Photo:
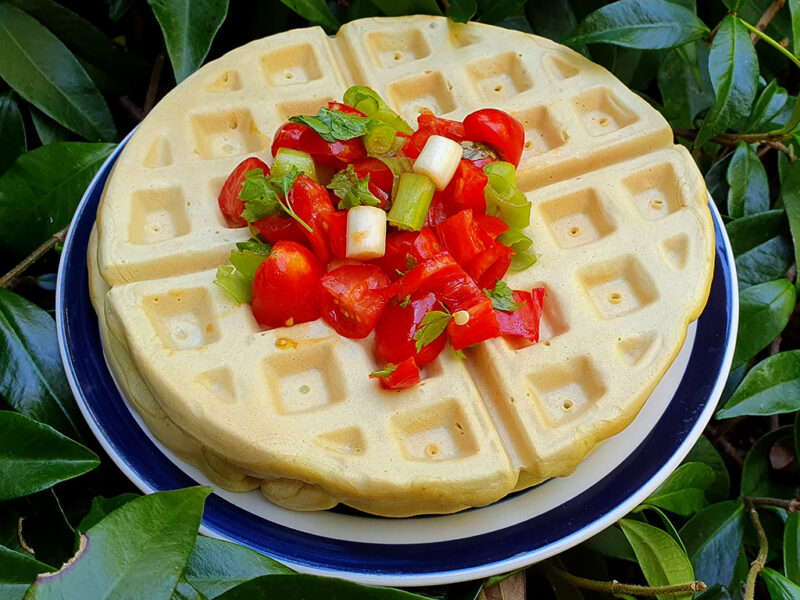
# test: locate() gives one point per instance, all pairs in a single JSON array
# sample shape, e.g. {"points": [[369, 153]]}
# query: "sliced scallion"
{"points": [[371, 104], [286, 158], [521, 244], [507, 202], [411, 204]]}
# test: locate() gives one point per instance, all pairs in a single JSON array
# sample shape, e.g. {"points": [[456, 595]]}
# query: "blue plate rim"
{"points": [[410, 564]]}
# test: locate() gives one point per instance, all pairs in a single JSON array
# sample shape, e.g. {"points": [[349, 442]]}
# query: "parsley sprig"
{"points": [[265, 196], [351, 190], [431, 327], [502, 297], [384, 372], [332, 125]]}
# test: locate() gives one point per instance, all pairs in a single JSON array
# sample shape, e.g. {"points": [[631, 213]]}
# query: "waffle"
{"points": [[619, 221]]}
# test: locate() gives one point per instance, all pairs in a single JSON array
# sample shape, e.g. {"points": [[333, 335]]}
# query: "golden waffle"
{"points": [[619, 220]]}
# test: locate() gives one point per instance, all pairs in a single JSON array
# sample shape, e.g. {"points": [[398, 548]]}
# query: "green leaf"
{"points": [[772, 387], [384, 372], [644, 24], [668, 526], [704, 452], [791, 548], [555, 23], [790, 196], [39, 193], [502, 297], [47, 129], [683, 492], [189, 27], [660, 558], [309, 587], [794, 11], [685, 90], [351, 190], [461, 11], [399, 8], [748, 193], [504, 13], [102, 507], [45, 73], [733, 67], [31, 375], [236, 285], [316, 11], [17, 572], [611, 543], [433, 325], [713, 538], [333, 125], [34, 456], [716, 180], [764, 311], [761, 250], [216, 566], [780, 588], [12, 131], [81, 37], [138, 551], [767, 107], [757, 476], [118, 8]]}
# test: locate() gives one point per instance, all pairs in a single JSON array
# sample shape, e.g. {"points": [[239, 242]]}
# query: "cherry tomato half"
{"points": [[280, 227], [301, 137], [285, 287], [229, 202], [312, 203], [394, 332], [498, 129], [352, 299]]}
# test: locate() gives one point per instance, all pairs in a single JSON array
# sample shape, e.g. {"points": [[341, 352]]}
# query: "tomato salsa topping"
{"points": [[376, 227]]}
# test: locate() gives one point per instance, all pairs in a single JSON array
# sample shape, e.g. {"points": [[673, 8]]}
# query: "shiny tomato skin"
{"points": [[428, 125], [398, 246], [301, 137], [381, 178], [229, 202], [312, 203], [523, 322], [498, 129], [492, 226], [482, 326], [352, 299], [337, 233], [279, 227], [394, 332], [285, 286]]}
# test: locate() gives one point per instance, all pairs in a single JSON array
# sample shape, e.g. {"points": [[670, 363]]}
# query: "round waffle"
{"points": [[619, 221]]}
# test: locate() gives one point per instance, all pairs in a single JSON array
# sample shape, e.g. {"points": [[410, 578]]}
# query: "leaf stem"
{"points": [[7, 280], [731, 139], [788, 505], [761, 559], [770, 41], [767, 17], [615, 587]]}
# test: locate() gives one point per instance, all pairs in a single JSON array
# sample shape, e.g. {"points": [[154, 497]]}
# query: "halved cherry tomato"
{"points": [[482, 325], [428, 125], [337, 233], [343, 108], [445, 278], [460, 236], [280, 227], [380, 175], [394, 332], [405, 375], [312, 203], [523, 322], [229, 202], [301, 137], [498, 129], [285, 287], [352, 299]]}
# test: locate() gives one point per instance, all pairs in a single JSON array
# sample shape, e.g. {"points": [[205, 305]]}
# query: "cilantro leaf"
{"points": [[502, 297], [255, 246], [285, 182], [431, 327], [351, 190], [259, 197], [332, 125], [385, 372]]}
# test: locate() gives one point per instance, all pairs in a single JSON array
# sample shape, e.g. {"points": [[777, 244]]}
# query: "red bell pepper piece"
{"points": [[428, 125], [482, 325], [398, 247], [444, 277], [312, 203], [438, 209], [492, 226], [343, 108], [490, 265], [459, 235], [465, 190], [426, 245], [394, 332], [523, 322], [405, 375]]}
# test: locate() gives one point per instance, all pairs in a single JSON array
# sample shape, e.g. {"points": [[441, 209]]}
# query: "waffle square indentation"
{"points": [[226, 134], [602, 112], [436, 433], [618, 287], [304, 380], [429, 91], [293, 108], [577, 219], [559, 68], [291, 66], [183, 319], [656, 191], [563, 391], [229, 81], [157, 215], [390, 49], [500, 76], [542, 132]]}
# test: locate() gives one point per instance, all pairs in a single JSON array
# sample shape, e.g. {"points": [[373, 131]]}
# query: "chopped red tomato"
{"points": [[394, 333], [343, 108], [398, 247], [280, 227], [337, 233], [405, 375], [492, 226], [482, 325], [465, 190], [229, 202], [285, 286], [445, 278], [523, 322], [490, 265], [428, 125], [312, 203], [352, 299], [301, 137], [459, 235], [426, 245], [381, 177], [498, 129], [438, 209]]}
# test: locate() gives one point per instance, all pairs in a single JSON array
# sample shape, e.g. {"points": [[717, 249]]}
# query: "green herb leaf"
{"points": [[333, 125], [772, 387], [433, 325], [764, 311], [17, 572], [260, 197], [661, 559], [791, 547], [683, 492], [351, 190], [141, 548], [255, 246], [758, 477], [643, 24], [385, 372], [761, 249], [284, 182], [39, 193], [502, 297], [316, 11], [404, 302], [310, 587], [713, 539], [34, 456], [12, 131], [748, 193], [189, 27], [44, 72], [733, 67], [780, 587], [477, 151], [31, 374]]}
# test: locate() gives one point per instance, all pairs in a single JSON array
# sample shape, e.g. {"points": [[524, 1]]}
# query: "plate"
{"points": [[519, 530]]}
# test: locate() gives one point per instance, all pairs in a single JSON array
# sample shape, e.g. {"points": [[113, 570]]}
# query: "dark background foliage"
{"points": [[76, 76]]}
